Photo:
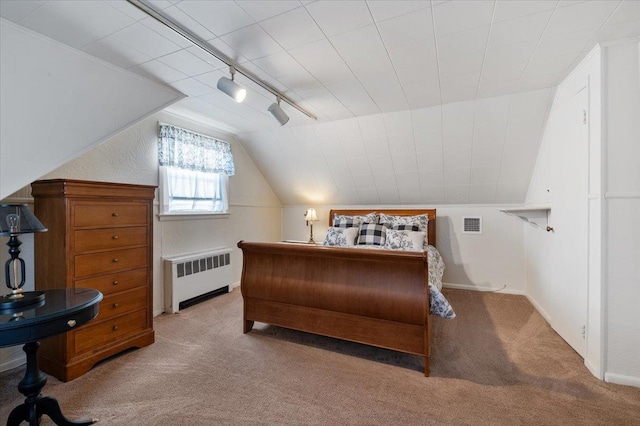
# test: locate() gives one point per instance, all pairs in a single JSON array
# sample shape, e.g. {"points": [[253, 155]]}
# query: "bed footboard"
{"points": [[376, 297]]}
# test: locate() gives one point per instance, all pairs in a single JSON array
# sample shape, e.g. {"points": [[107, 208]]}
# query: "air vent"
{"points": [[472, 225]]}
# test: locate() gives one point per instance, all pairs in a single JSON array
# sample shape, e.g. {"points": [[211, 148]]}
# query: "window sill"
{"points": [[191, 216]]}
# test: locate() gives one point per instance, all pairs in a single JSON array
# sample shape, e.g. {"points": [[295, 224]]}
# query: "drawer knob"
{"points": [[116, 282], [71, 323], [115, 328], [115, 214], [115, 305], [115, 237], [115, 260]]}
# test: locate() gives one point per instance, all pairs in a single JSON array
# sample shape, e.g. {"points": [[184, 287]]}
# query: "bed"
{"points": [[377, 297]]}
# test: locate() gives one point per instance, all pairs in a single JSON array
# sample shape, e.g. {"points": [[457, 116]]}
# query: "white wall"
{"points": [[479, 262], [622, 206], [547, 268], [58, 102], [612, 74], [132, 157]]}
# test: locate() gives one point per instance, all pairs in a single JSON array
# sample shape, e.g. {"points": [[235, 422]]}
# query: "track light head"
{"points": [[231, 88], [278, 113]]}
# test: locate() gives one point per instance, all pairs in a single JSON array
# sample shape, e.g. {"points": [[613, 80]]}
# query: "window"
{"points": [[194, 172]]}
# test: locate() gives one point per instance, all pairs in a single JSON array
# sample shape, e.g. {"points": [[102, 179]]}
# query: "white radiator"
{"points": [[194, 276]]}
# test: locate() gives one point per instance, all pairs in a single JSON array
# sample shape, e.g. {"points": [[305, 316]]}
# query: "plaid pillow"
{"points": [[353, 220], [372, 234], [405, 227], [420, 221], [343, 222]]}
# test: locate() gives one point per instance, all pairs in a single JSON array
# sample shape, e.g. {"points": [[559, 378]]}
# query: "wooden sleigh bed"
{"points": [[376, 297]]}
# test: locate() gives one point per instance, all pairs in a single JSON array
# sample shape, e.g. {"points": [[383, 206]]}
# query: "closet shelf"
{"points": [[539, 215]]}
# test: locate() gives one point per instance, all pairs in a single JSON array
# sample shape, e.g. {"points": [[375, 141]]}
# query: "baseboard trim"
{"points": [[482, 288], [234, 285], [542, 312], [13, 363], [621, 379], [592, 368]]}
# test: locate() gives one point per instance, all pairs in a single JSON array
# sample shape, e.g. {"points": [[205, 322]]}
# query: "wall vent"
{"points": [[472, 225]]}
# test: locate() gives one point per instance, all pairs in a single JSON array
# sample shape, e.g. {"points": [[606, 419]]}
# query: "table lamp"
{"points": [[16, 219], [311, 216]]}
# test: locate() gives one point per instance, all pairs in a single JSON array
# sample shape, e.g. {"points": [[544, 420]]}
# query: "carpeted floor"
{"points": [[497, 363]]}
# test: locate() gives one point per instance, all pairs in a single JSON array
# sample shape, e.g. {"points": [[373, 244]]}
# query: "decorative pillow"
{"points": [[420, 221], [372, 234], [348, 221], [404, 240], [341, 237], [343, 222], [405, 227]]}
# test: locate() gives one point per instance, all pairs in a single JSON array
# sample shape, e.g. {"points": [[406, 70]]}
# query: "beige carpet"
{"points": [[497, 363]]}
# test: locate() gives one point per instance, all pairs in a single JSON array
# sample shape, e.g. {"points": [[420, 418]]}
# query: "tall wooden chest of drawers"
{"points": [[100, 236]]}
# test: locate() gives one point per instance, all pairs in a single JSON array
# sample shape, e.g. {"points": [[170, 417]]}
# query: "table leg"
{"points": [[35, 405]]}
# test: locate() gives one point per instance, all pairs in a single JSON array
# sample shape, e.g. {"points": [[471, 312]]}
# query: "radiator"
{"points": [[192, 277]]}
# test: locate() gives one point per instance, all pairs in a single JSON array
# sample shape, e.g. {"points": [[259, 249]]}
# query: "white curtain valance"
{"points": [[192, 151]]}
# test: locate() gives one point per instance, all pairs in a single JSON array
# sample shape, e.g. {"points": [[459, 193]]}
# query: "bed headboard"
{"points": [[431, 214]]}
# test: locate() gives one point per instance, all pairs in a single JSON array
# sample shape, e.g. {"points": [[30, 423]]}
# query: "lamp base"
{"points": [[28, 298]]}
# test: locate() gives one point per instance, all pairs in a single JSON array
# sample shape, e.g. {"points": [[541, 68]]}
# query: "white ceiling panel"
{"points": [[581, 16], [516, 8], [252, 41], [157, 71], [76, 23], [264, 9], [15, 10], [145, 40], [219, 17], [460, 15], [519, 30], [456, 194], [111, 50], [386, 9], [484, 175], [322, 61], [482, 194], [407, 29], [429, 140], [180, 17], [339, 17], [293, 29], [456, 91], [628, 11], [186, 63]]}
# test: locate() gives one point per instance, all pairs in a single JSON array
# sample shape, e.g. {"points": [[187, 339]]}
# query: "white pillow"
{"points": [[404, 240], [341, 237]]}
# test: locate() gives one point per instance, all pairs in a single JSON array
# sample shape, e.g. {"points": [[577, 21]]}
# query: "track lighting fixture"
{"points": [[232, 88], [228, 86], [278, 112]]}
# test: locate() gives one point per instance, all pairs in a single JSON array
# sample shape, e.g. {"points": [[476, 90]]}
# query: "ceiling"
{"points": [[486, 67]]}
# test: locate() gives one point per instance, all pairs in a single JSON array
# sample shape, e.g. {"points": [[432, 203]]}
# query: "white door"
{"points": [[569, 218]]}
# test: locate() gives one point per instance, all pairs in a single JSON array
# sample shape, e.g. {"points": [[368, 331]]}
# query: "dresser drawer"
{"points": [[120, 303], [113, 283], [99, 335], [109, 238], [110, 214], [110, 261]]}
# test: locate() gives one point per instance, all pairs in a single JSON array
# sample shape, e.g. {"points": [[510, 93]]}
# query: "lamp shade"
{"points": [[311, 215], [18, 219], [278, 113], [232, 89]]}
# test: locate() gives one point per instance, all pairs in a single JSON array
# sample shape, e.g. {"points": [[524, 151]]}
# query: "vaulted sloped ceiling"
{"points": [[360, 64]]}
